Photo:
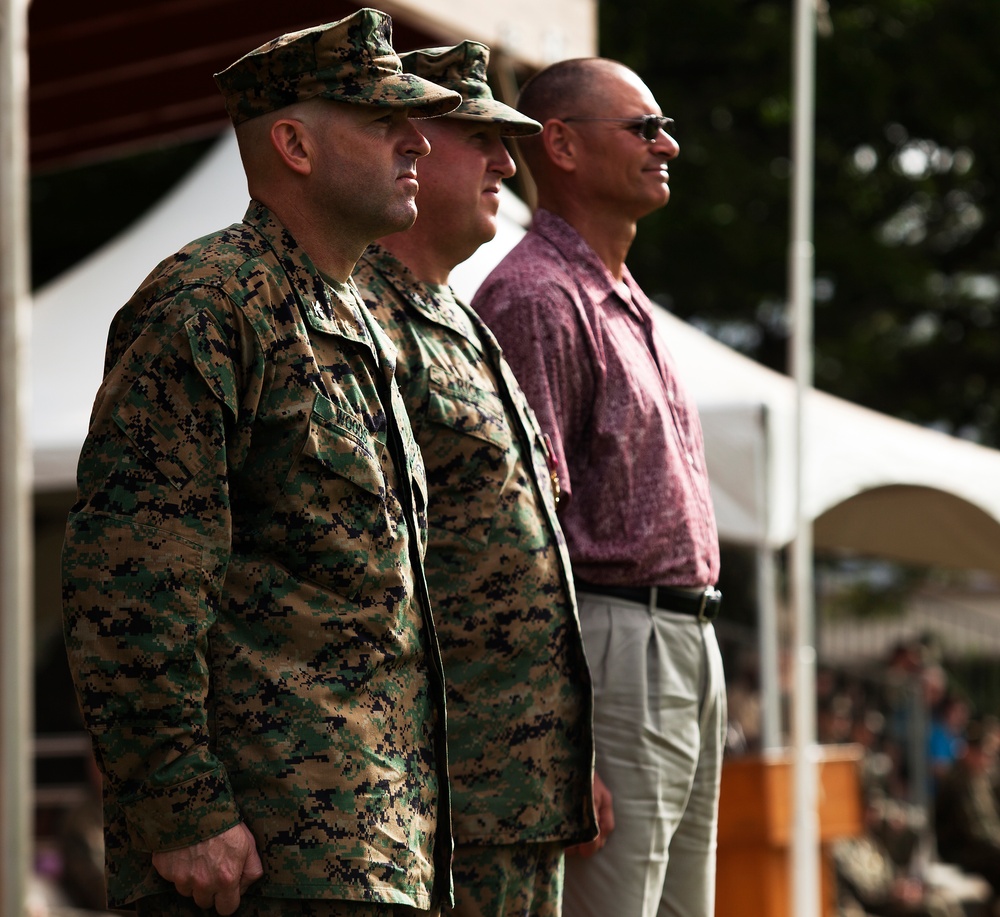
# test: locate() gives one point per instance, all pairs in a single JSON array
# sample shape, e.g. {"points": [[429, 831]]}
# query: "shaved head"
{"points": [[254, 137], [578, 86], [569, 87]]}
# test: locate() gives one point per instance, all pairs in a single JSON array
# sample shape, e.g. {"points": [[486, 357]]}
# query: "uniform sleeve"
{"points": [[545, 343], [143, 564]]}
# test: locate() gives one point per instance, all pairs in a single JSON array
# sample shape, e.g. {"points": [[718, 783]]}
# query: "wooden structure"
{"points": [[755, 829]]}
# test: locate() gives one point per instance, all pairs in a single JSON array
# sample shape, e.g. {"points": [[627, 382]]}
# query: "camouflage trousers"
{"points": [[508, 880], [177, 905]]}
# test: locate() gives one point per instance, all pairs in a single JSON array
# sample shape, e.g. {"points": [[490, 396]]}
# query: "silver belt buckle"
{"points": [[710, 593]]}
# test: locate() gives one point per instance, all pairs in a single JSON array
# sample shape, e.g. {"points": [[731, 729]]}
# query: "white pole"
{"points": [[16, 649], [805, 837], [768, 649], [768, 642]]}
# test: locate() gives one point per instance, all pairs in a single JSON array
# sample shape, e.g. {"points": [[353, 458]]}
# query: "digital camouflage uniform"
{"points": [[967, 815], [242, 583], [519, 707], [866, 881]]}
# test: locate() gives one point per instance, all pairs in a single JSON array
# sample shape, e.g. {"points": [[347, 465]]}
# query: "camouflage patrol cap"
{"points": [[350, 60], [463, 69]]}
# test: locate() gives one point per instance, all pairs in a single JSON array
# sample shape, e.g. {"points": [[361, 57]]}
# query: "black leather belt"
{"points": [[704, 605]]}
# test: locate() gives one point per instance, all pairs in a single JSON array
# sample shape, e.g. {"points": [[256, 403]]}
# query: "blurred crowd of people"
{"points": [[930, 784]]}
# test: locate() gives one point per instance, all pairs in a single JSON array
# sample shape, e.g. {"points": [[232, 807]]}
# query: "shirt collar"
{"points": [[325, 309], [420, 296], [592, 273]]}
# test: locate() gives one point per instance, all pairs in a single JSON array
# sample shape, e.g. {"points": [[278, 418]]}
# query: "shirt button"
{"points": [[690, 458]]}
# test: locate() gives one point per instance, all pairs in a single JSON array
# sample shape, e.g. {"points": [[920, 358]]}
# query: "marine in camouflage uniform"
{"points": [[966, 807], [519, 709], [245, 609]]}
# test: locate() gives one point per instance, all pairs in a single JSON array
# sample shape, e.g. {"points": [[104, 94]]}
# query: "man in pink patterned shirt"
{"points": [[636, 508]]}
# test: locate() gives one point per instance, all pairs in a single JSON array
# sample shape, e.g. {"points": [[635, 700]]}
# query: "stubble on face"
{"points": [[366, 179]]}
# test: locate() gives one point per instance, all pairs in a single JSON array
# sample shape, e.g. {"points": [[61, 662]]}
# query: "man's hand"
{"points": [[216, 871], [605, 821]]}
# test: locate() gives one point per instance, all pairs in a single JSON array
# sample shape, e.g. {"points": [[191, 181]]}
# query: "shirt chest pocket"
{"points": [[332, 512], [469, 456]]}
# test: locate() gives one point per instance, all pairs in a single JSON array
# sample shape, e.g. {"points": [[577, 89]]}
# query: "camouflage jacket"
{"points": [[242, 583], [519, 693]]}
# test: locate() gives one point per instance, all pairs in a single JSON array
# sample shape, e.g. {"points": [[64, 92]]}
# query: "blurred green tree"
{"points": [[907, 213]]}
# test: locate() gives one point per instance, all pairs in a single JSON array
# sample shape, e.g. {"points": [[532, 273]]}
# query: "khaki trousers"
{"points": [[660, 721]]}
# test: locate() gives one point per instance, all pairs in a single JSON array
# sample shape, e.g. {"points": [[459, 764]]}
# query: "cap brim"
{"points": [[407, 90], [511, 122]]}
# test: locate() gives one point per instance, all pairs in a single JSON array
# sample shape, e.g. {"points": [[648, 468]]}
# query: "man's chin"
{"points": [[401, 220], [660, 199], [488, 229]]}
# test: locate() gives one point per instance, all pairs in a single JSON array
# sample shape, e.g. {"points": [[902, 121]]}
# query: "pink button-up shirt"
{"points": [[636, 507]]}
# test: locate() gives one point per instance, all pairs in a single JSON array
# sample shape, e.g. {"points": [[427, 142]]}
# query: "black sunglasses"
{"points": [[646, 126]]}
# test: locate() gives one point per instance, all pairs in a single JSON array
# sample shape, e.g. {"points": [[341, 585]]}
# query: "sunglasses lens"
{"points": [[650, 128]]}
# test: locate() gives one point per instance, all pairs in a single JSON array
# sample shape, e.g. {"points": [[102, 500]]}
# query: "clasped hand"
{"points": [[215, 872]]}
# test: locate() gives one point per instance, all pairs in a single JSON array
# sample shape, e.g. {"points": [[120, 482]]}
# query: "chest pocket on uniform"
{"points": [[333, 502], [466, 444]]}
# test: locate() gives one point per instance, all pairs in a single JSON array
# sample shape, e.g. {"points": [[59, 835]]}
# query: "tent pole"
{"points": [[768, 642], [805, 837], [15, 468], [767, 637]]}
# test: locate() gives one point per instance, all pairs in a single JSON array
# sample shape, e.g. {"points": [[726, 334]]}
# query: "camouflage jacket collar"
{"points": [[420, 296], [323, 311]]}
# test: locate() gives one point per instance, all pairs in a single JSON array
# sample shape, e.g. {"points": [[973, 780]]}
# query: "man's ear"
{"points": [[561, 144], [293, 144]]}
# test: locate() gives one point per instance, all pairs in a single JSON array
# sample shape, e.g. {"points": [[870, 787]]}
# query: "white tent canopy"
{"points": [[874, 484]]}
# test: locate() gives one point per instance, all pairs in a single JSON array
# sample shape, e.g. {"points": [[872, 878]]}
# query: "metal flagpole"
{"points": [[16, 622], [805, 838]]}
